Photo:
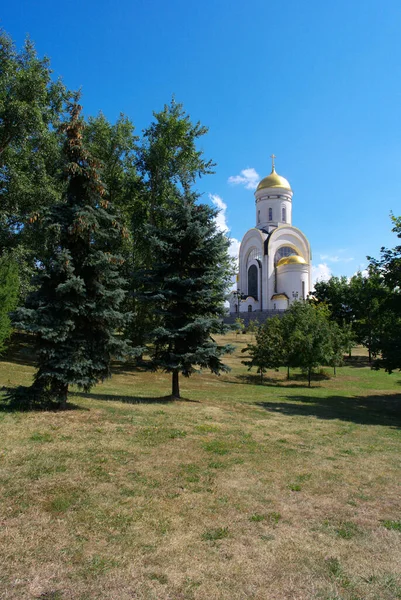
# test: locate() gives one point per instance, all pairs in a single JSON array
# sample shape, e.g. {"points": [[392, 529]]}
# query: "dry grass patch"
{"points": [[247, 491]]}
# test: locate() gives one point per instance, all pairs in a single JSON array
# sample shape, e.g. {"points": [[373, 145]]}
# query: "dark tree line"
{"points": [[370, 305], [104, 241]]}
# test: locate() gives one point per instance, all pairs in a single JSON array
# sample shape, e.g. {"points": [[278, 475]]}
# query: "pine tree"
{"points": [[75, 310], [186, 288]]}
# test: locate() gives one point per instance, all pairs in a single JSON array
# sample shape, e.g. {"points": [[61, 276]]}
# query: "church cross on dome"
{"points": [[273, 156]]}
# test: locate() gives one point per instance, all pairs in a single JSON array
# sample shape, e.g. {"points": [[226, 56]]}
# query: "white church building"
{"points": [[275, 257]]}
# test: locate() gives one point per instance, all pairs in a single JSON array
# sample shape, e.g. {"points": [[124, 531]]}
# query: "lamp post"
{"points": [[238, 296]]}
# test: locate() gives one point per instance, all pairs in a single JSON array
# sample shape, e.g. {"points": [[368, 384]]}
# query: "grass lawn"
{"points": [[239, 491]]}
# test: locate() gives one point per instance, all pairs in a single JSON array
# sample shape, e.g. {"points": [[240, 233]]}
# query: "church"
{"points": [[275, 257]]}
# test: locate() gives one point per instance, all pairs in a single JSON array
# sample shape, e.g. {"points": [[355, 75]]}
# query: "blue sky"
{"points": [[316, 83]]}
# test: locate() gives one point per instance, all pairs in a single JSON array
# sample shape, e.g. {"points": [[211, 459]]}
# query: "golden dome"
{"points": [[274, 180], [291, 260], [279, 297]]}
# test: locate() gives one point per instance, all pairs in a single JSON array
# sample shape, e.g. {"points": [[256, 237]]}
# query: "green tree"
{"points": [[239, 326], [31, 109], [341, 339], [186, 288], [168, 163], [253, 327], [75, 310], [307, 336], [268, 351], [114, 146], [387, 345], [9, 291], [336, 294], [368, 298]]}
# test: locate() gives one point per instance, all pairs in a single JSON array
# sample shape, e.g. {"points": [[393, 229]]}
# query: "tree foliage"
{"points": [[168, 163], [305, 337], [309, 339], [387, 345], [268, 350], [75, 310], [31, 109], [9, 291], [186, 287]]}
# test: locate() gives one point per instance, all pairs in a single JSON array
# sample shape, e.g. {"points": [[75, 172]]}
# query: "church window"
{"points": [[253, 281], [284, 214], [270, 214], [254, 254], [283, 252], [258, 216], [303, 290], [249, 307]]}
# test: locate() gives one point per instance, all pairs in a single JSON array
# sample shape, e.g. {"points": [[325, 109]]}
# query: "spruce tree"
{"points": [[75, 310], [169, 163], [186, 288]]}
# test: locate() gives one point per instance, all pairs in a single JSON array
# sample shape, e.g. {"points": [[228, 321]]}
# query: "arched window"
{"points": [[258, 216], [282, 252], [270, 214], [249, 307], [284, 215], [254, 254], [253, 281]]}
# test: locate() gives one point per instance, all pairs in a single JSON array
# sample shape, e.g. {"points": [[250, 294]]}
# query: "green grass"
{"points": [[240, 490]]}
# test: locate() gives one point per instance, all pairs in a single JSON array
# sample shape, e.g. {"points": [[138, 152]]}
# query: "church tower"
{"points": [[275, 257]]}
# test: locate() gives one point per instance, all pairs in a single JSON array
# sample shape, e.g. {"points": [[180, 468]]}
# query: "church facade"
{"points": [[275, 257]]}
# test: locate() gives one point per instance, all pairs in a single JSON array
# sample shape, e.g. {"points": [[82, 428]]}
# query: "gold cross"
{"points": [[273, 156]]}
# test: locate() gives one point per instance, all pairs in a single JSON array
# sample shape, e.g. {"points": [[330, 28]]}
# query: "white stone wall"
{"points": [[289, 277], [276, 199]]}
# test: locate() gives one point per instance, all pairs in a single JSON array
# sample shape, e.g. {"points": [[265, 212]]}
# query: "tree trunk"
{"points": [[335, 371], [63, 394], [309, 376], [175, 385], [261, 377], [288, 372]]}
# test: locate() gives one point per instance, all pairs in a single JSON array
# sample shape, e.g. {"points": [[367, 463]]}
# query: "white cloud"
{"points": [[329, 258], [221, 219], [335, 258], [248, 177], [362, 270], [221, 222], [321, 272]]}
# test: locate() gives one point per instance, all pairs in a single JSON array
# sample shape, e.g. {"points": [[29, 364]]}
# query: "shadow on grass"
{"points": [[14, 402], [131, 399], [297, 380], [357, 362], [364, 410]]}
